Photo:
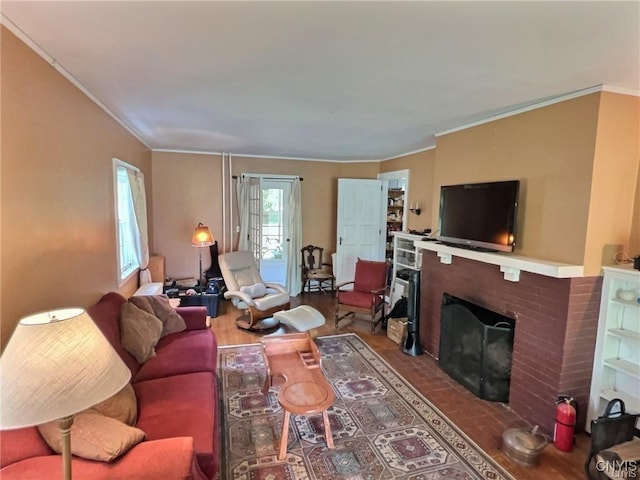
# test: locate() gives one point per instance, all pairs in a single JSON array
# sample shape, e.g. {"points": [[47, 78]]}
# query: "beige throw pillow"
{"points": [[123, 406], [140, 332], [159, 306], [94, 436]]}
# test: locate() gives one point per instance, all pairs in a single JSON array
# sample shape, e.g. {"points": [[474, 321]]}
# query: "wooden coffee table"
{"points": [[295, 357]]}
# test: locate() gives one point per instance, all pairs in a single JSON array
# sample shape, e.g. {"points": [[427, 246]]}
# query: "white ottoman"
{"points": [[302, 318]]}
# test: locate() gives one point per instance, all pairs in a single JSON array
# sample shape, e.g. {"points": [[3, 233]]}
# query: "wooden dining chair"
{"points": [[317, 276]]}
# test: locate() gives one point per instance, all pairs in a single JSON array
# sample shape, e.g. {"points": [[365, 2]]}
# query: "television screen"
{"points": [[479, 215]]}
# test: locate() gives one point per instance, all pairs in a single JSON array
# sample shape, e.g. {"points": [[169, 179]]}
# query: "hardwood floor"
{"points": [[483, 421]]}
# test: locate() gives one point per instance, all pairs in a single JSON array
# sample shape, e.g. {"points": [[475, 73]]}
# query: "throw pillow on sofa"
{"points": [[159, 306], [94, 437], [123, 406], [140, 332]]}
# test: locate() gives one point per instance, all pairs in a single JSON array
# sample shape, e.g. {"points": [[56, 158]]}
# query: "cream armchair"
{"points": [[247, 291]]}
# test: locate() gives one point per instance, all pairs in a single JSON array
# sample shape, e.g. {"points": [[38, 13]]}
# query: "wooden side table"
{"points": [[296, 358]]}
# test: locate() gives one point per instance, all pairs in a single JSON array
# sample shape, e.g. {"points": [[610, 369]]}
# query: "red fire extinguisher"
{"points": [[566, 413]]}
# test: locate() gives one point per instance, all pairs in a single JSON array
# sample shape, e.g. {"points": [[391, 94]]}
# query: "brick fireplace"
{"points": [[555, 333]]}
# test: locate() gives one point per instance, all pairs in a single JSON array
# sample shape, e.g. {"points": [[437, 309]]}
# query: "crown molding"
{"points": [[544, 103], [268, 157], [420, 150], [13, 28], [189, 152], [305, 159], [620, 90]]}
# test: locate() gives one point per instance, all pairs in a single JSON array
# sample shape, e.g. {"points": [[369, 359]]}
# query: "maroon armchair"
{"points": [[367, 296]]}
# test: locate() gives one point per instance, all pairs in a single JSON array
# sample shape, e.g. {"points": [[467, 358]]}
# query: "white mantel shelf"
{"points": [[511, 265]]}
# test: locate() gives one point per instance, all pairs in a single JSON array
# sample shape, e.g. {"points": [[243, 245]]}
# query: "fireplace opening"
{"points": [[476, 347]]}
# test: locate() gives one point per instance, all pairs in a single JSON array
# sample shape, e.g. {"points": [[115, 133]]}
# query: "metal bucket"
{"points": [[524, 447]]}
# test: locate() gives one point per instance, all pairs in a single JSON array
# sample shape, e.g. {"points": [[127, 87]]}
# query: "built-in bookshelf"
{"points": [[616, 363]]}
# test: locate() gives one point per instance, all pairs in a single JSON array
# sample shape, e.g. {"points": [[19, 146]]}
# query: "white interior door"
{"points": [[361, 225]]}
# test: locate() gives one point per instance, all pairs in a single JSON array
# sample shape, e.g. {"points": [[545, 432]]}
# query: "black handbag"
{"points": [[613, 427]]}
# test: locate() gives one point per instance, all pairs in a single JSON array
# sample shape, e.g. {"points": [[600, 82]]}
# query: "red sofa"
{"points": [[177, 399]]}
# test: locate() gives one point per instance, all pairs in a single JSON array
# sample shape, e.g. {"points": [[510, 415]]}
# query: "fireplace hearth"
{"points": [[476, 347], [557, 320]]}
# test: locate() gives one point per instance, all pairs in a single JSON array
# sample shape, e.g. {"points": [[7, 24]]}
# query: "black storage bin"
{"points": [[203, 299]]}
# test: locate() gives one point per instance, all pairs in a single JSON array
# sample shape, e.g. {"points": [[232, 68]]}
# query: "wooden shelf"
{"points": [[396, 214]]}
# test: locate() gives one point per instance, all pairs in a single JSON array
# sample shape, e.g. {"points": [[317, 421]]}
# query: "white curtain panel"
{"points": [[139, 226], [294, 269], [243, 191]]}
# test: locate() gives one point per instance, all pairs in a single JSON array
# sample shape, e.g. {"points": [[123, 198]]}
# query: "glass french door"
{"points": [[269, 232]]}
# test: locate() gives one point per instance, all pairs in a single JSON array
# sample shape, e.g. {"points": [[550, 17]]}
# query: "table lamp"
{"points": [[202, 237], [55, 365]]}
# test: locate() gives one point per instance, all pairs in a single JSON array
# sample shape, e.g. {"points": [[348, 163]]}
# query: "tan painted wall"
{"points": [[58, 230], [319, 191], [550, 150], [615, 181], [421, 167], [187, 189], [634, 241]]}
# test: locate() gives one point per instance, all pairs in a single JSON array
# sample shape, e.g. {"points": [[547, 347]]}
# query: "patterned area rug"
{"points": [[382, 427]]}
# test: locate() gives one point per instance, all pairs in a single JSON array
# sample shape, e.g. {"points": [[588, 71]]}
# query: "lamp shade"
{"points": [[56, 364], [202, 236]]}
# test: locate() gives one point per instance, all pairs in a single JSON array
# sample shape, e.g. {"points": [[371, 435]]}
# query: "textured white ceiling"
{"points": [[327, 80]]}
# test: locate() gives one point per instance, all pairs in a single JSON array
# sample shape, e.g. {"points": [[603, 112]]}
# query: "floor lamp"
{"points": [[55, 365], [202, 237]]}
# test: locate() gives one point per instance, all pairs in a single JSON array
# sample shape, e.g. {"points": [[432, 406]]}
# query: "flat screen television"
{"points": [[479, 215]]}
